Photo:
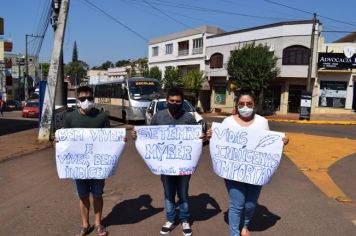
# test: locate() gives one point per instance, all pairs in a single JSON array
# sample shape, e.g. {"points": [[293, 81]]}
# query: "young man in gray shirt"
{"points": [[174, 185]]}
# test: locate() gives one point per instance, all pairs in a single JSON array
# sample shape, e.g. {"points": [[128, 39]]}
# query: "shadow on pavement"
{"points": [[9, 126], [131, 211], [203, 207], [262, 219]]}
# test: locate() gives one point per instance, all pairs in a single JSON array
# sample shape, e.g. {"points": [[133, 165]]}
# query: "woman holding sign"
{"points": [[243, 196]]}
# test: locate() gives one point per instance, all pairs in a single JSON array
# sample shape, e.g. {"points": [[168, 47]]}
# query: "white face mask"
{"points": [[86, 105], [245, 111]]}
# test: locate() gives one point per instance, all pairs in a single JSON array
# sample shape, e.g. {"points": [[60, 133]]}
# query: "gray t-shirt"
{"points": [[163, 117]]}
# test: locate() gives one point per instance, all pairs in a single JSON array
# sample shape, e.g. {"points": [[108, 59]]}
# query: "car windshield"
{"points": [[139, 90], [186, 106], [32, 104]]}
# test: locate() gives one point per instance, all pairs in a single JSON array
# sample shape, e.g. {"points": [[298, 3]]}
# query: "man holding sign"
{"points": [[177, 127], [87, 116], [246, 155]]}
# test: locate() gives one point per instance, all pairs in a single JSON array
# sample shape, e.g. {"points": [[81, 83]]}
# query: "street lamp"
{"points": [[26, 62], [20, 60]]}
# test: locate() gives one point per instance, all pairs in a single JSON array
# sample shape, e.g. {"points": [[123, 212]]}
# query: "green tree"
{"points": [[75, 52], [156, 73], [172, 78], [193, 82], [45, 69], [253, 66], [120, 63]]}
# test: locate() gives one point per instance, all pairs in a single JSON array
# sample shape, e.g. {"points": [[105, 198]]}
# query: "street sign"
{"points": [[305, 105]]}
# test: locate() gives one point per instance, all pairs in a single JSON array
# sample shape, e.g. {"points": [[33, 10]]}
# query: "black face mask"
{"points": [[174, 108]]}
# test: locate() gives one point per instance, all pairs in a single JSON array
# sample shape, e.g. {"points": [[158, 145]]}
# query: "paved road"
{"points": [[33, 201], [341, 131]]}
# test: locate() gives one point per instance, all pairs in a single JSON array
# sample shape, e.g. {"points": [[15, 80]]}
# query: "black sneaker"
{"points": [[167, 227], [187, 231]]}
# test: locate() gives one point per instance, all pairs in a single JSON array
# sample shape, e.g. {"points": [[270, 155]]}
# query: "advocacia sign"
{"points": [[336, 61]]}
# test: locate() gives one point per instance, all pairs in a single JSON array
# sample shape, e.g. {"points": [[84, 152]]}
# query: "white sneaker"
{"points": [[187, 231], [167, 227]]}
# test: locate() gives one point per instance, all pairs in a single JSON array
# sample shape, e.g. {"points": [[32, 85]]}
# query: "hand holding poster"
{"points": [[88, 153], [245, 155], [170, 150]]}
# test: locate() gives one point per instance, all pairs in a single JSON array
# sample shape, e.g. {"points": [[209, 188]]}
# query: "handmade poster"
{"points": [[170, 150], [244, 154], [88, 153]]}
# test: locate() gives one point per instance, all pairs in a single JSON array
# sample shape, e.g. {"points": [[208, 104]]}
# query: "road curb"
{"points": [[19, 154], [315, 122]]}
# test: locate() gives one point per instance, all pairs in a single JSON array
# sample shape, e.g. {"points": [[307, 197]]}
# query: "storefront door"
{"points": [[295, 93]]}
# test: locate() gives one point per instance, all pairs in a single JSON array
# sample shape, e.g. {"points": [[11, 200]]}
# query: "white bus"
{"points": [[126, 99]]}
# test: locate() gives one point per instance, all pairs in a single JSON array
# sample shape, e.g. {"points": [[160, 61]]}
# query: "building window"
{"points": [[296, 55], [183, 48], [155, 51], [169, 48], [220, 95], [332, 94], [198, 46], [216, 60]]}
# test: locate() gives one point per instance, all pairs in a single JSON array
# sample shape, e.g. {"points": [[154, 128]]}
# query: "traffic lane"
{"points": [[344, 174], [340, 131], [9, 126], [32, 194]]}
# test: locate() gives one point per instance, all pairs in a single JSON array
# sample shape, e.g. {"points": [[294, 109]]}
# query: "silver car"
{"points": [[160, 104]]}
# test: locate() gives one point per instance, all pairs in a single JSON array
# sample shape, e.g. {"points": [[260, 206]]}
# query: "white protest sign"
{"points": [[88, 153], [170, 150], [244, 154]]}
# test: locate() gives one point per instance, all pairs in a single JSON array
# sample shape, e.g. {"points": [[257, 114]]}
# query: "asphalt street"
{"points": [[33, 201]]}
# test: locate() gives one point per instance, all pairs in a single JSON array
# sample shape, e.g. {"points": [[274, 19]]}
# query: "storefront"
{"points": [[336, 83]]}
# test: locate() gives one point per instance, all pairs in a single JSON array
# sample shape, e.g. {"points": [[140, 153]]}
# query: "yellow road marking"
{"points": [[313, 155]]}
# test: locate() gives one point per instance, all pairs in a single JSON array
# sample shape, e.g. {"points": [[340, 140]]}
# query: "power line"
{"points": [[210, 10], [296, 9], [170, 17], [116, 20]]}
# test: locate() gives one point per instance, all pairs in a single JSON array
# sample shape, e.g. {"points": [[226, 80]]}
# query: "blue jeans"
{"points": [[87, 186], [176, 185], [243, 198]]}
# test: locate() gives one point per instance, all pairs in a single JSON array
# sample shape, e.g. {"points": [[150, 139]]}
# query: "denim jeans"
{"points": [[176, 185], [243, 198], [87, 186]]}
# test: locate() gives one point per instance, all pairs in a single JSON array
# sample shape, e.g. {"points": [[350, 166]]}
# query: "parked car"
{"points": [[11, 105], [160, 104], [71, 103], [31, 109]]}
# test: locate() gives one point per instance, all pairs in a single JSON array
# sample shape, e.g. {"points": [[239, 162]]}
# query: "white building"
{"points": [[185, 50], [290, 42], [97, 76], [117, 73]]}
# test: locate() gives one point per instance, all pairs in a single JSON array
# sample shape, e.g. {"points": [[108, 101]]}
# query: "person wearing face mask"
{"points": [[243, 197], [174, 185], [87, 116]]}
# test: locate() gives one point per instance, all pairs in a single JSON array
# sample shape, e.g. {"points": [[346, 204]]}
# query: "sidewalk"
{"points": [[20, 143]]}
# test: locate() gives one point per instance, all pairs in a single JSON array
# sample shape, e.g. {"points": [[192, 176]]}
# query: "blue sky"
{"points": [[99, 38]]}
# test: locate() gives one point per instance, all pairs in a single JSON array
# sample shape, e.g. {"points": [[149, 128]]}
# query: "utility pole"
{"points": [[53, 75], [59, 99], [26, 63], [310, 67]]}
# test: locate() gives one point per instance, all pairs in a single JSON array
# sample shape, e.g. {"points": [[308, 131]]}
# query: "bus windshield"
{"points": [[143, 90]]}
